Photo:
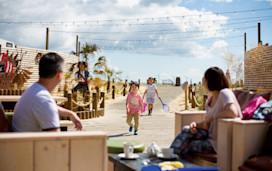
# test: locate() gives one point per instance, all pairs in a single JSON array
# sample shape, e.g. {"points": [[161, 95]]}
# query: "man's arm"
{"points": [[68, 113]]}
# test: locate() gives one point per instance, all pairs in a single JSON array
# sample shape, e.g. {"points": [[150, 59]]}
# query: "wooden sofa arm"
{"points": [[66, 151], [186, 117], [224, 143], [248, 139]]}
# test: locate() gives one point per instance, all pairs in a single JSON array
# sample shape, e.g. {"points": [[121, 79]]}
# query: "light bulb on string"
{"points": [[235, 13], [253, 11]]}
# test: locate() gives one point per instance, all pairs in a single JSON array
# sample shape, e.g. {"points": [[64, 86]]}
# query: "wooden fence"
{"points": [[89, 105], [192, 97]]}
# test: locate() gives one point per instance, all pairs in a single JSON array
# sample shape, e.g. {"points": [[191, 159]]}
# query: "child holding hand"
{"points": [[134, 106]]}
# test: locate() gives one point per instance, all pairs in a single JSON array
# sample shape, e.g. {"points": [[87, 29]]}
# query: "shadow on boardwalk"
{"points": [[157, 128]]}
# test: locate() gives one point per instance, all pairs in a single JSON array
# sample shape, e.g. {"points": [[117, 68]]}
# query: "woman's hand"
{"points": [[207, 122], [193, 128]]}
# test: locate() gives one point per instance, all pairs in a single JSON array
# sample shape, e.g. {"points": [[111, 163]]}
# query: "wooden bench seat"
{"points": [[65, 151]]}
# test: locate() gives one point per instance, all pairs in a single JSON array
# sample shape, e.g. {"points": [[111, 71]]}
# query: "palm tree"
{"points": [[85, 50], [89, 49], [102, 68]]}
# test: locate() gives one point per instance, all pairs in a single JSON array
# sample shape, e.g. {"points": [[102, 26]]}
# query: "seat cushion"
{"points": [[260, 162], [244, 97], [116, 146], [247, 168], [207, 156]]}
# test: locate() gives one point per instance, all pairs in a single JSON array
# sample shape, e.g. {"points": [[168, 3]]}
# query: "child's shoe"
{"points": [[130, 128], [135, 132]]}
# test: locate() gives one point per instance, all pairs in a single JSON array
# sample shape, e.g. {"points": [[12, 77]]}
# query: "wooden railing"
{"points": [[86, 106], [192, 97]]}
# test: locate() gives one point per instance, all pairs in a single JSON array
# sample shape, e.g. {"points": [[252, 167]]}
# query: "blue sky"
{"points": [[143, 38]]}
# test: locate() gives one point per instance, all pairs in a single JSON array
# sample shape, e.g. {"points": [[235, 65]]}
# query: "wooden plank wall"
{"points": [[65, 151], [29, 63], [258, 68]]}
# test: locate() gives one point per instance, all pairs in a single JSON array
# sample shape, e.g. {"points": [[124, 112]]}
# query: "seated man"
{"points": [[36, 110]]}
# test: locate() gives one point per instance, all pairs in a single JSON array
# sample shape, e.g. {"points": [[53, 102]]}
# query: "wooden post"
{"points": [[113, 92], [124, 90], [87, 96], [193, 100], [189, 94], [245, 43], [204, 101], [259, 34], [95, 103], [74, 97], [47, 38], [186, 105], [194, 88], [77, 45], [65, 92], [102, 95], [69, 101], [97, 91]]}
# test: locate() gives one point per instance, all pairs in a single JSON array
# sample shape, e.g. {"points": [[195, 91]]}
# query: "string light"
{"points": [[153, 18]]}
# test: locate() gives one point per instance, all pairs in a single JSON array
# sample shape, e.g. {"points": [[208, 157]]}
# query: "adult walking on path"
{"points": [[159, 128]]}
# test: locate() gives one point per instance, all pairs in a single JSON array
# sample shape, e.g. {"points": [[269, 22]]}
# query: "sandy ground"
{"points": [[157, 128]]}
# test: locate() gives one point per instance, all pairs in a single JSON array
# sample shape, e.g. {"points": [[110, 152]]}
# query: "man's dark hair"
{"points": [[216, 79], [134, 84], [50, 64]]}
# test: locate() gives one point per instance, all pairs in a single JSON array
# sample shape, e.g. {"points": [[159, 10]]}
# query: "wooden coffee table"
{"points": [[136, 165]]}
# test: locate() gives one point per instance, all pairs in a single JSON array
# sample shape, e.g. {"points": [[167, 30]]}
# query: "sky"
{"points": [[164, 39]]}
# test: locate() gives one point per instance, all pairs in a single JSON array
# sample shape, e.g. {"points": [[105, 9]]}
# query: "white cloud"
{"points": [[176, 41], [269, 1], [203, 52], [221, 0], [127, 3], [194, 73]]}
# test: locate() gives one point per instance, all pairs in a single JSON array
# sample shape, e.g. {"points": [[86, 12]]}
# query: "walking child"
{"points": [[134, 106], [150, 91]]}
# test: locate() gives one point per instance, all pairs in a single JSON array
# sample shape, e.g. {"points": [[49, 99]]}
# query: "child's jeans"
{"points": [[186, 142], [136, 120]]}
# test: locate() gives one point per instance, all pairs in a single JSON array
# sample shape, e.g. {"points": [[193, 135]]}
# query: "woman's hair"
{"points": [[216, 79], [136, 84]]}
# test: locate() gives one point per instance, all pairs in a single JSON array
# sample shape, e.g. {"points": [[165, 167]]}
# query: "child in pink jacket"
{"points": [[134, 106]]}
